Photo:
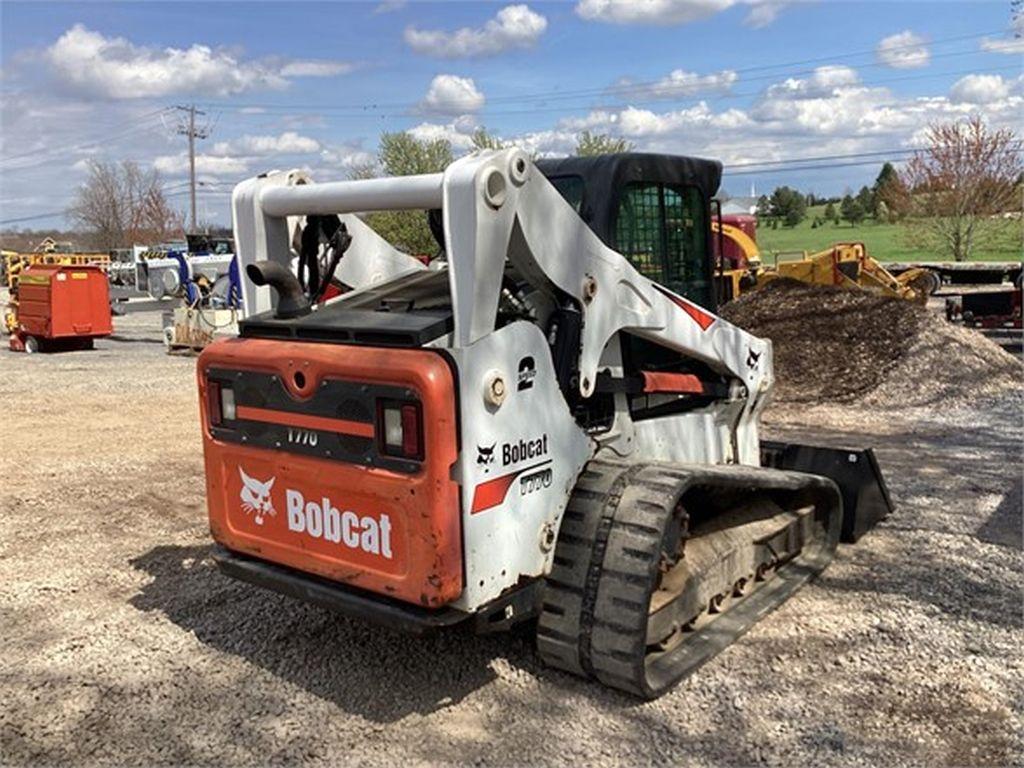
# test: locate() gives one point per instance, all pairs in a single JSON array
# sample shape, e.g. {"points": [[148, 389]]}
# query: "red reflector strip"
{"points": [[702, 318], [305, 421], [492, 493], [410, 431], [213, 402], [678, 383]]}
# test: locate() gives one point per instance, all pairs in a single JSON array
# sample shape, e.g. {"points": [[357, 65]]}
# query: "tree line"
{"points": [[951, 197], [885, 200]]}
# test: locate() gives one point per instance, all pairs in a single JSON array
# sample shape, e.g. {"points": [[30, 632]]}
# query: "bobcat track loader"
{"points": [[545, 423]]}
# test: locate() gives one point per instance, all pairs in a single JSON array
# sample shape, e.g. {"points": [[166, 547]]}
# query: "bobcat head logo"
{"points": [[255, 497], [485, 456], [752, 358]]}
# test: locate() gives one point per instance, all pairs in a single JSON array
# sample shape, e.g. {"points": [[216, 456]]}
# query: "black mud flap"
{"points": [[855, 470]]}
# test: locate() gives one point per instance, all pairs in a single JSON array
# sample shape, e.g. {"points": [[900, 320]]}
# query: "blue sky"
{"points": [[313, 85]]}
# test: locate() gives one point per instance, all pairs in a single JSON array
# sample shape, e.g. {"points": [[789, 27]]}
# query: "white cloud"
{"points": [[514, 26], [1012, 45], [452, 95], [904, 50], [389, 6], [88, 63], [679, 84], [830, 111], [287, 143], [114, 68], [672, 12], [1006, 45], [824, 81], [763, 14], [980, 89], [177, 165], [316, 68], [459, 132], [346, 157]]}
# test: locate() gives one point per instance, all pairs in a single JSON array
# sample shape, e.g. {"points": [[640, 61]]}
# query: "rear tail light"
{"points": [[400, 428], [213, 403], [220, 401]]}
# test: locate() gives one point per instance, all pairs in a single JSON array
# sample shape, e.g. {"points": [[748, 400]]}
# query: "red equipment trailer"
{"points": [[59, 307]]}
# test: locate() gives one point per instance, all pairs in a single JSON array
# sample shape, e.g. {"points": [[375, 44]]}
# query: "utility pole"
{"points": [[189, 129]]}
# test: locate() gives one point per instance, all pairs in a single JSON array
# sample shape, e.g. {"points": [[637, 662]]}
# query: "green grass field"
{"points": [[886, 242]]}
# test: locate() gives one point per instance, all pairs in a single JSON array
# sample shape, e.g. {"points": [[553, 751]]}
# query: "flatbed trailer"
{"points": [[966, 272]]}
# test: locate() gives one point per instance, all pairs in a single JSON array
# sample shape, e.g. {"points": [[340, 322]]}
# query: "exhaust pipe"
{"points": [[291, 301]]}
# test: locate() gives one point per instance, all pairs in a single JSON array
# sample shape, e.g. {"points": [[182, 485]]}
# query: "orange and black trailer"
{"points": [[59, 307]]}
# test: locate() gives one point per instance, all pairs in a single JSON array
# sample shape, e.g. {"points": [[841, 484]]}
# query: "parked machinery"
{"points": [[59, 307], [987, 309], [537, 425], [844, 265]]}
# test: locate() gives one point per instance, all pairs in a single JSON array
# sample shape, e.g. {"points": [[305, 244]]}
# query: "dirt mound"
{"points": [[837, 345]]}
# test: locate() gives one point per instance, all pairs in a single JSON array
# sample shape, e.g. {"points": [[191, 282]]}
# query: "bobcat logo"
{"points": [[752, 358], [485, 456], [255, 497]]}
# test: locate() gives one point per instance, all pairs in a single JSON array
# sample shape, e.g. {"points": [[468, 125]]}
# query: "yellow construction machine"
{"points": [[846, 265]]}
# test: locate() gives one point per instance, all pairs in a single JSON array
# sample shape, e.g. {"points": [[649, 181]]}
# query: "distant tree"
{"points": [[882, 212], [788, 205], [851, 210], [866, 199], [484, 140], [891, 192], [764, 208], [589, 144], [830, 214], [120, 204], [402, 154], [887, 175], [966, 177]]}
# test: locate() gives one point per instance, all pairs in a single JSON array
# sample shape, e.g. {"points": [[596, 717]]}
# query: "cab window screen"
{"points": [[662, 230], [638, 234]]}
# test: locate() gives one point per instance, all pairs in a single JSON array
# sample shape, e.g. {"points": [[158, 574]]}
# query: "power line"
{"points": [[32, 218], [301, 109], [51, 155], [140, 124], [643, 86], [879, 153], [824, 166]]}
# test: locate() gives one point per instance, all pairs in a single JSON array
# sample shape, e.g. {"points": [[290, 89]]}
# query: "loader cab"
{"points": [[653, 209]]}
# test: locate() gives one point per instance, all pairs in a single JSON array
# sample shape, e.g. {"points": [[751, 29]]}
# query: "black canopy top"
{"points": [[605, 176]]}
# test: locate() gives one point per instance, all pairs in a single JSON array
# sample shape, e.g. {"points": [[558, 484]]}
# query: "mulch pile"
{"points": [[838, 346]]}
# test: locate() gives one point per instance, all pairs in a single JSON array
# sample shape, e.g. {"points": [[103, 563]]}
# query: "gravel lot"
{"points": [[123, 644]]}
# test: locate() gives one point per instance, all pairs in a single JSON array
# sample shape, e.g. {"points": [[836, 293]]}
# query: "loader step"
{"points": [[678, 562]]}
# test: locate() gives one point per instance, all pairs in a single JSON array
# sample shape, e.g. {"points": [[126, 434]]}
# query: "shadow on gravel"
{"points": [[135, 339], [363, 669], [950, 467], [1005, 526]]}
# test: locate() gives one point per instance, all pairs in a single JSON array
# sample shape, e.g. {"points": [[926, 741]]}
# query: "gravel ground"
{"points": [[123, 644]]}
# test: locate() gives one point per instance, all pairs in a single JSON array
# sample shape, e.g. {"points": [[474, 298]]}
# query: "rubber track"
{"points": [[593, 620]]}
